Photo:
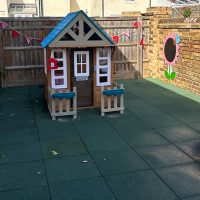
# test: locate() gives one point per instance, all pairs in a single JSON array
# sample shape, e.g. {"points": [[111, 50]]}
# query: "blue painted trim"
{"points": [[68, 95], [64, 23], [113, 92], [59, 28]]}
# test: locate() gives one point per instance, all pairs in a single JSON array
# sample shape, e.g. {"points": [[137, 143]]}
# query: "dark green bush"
{"points": [[187, 12]]}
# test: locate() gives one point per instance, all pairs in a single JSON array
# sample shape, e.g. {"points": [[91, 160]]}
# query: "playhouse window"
{"points": [[81, 63], [58, 55], [94, 37], [59, 73], [103, 61], [67, 37], [59, 76], [75, 28], [87, 28]]}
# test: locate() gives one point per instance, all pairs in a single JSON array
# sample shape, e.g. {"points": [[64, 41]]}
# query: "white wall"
{"points": [[3, 8], [155, 3]]}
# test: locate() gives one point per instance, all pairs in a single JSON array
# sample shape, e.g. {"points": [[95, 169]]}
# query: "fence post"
{"points": [[102, 102], [139, 49], [75, 103], [122, 100], [2, 69]]}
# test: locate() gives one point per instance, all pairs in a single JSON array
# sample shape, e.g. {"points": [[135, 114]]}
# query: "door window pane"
{"points": [[59, 81], [60, 63], [103, 71], [103, 62], [83, 58], [79, 68], [103, 52], [58, 54], [83, 68], [103, 79], [78, 58], [58, 72]]}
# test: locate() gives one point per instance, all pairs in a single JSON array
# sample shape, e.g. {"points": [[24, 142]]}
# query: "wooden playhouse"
{"points": [[78, 62]]}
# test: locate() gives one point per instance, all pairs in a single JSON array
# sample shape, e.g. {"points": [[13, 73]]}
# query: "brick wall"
{"points": [[187, 67]]}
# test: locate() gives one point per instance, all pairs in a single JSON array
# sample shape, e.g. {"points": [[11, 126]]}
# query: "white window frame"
{"points": [[76, 74], [99, 67], [64, 68]]}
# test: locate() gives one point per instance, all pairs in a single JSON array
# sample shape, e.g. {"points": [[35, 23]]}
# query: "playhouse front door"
{"points": [[81, 73]]}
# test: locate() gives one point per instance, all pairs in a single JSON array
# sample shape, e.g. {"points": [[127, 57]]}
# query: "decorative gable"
{"points": [[79, 31]]}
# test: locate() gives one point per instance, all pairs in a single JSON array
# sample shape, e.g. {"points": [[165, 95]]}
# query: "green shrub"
{"points": [[187, 12]]}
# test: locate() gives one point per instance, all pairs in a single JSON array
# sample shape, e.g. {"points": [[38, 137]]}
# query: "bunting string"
{"points": [[115, 37], [15, 33], [127, 33]]}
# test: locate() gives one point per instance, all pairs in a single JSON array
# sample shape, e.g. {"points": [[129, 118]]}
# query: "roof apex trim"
{"points": [[63, 24]]}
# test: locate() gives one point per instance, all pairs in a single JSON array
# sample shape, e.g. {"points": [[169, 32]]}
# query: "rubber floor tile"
{"points": [[70, 168], [157, 121], [192, 198], [65, 147], [122, 161], [190, 117], [56, 131], [144, 109], [37, 91], [184, 179], [86, 189], [103, 143], [86, 115], [16, 98], [129, 95], [196, 126], [20, 135], [139, 186], [20, 153], [16, 123], [192, 148], [142, 138], [94, 128], [39, 193], [163, 156], [172, 107], [22, 175], [128, 124], [190, 104], [23, 90], [178, 133]]}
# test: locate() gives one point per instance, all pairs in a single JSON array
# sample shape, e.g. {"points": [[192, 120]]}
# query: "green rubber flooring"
{"points": [[151, 152]]}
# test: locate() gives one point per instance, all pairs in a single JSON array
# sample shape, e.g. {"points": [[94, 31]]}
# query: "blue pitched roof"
{"points": [[64, 23]]}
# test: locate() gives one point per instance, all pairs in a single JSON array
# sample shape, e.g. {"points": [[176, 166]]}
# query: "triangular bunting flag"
{"points": [[115, 38], [127, 33], [142, 42], [15, 34], [135, 24], [28, 40], [3, 25], [40, 40]]}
